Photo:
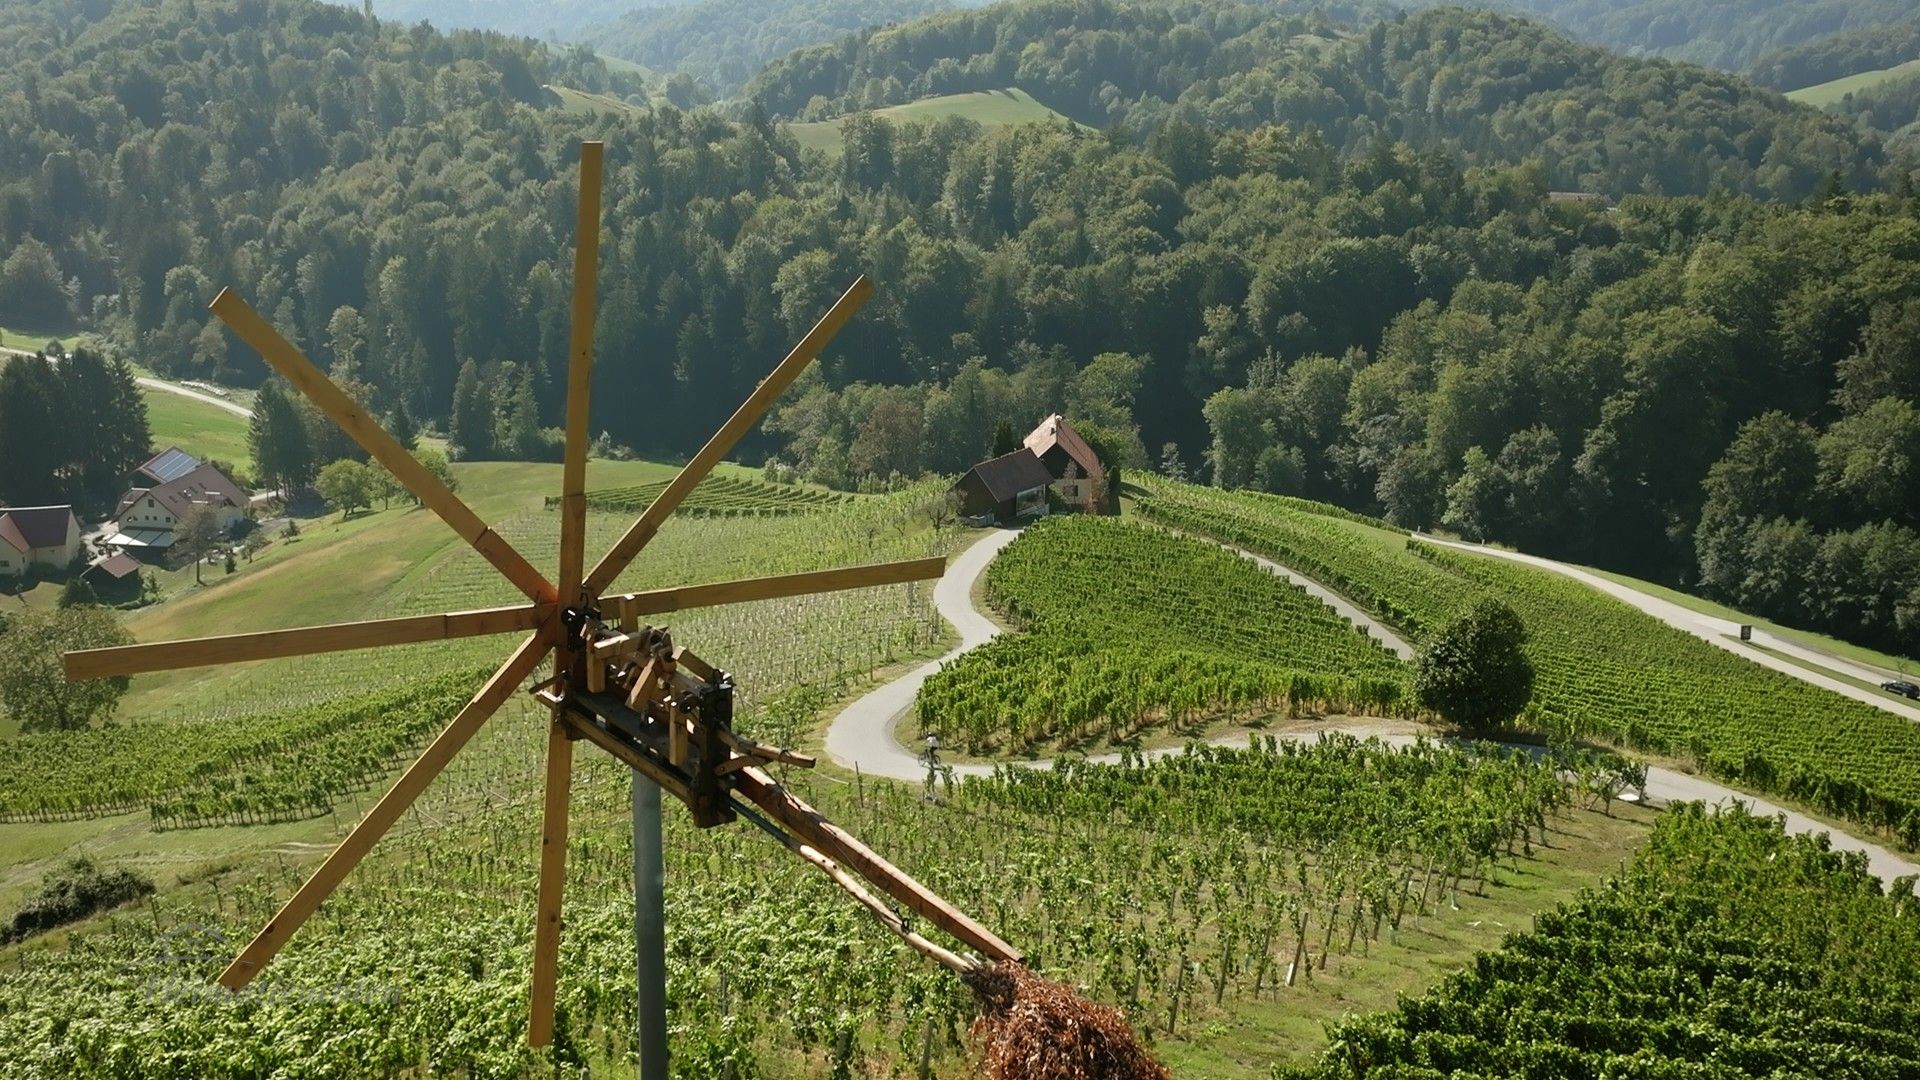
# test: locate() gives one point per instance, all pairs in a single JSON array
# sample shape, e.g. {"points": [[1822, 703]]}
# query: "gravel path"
{"points": [[862, 736], [176, 388]]}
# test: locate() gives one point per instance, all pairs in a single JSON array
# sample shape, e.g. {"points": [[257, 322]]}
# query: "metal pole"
{"points": [[650, 928]]}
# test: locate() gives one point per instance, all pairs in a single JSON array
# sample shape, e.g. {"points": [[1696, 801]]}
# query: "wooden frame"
{"points": [[698, 758]]}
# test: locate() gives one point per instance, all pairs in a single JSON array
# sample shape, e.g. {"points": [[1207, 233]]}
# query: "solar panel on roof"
{"points": [[171, 465]]}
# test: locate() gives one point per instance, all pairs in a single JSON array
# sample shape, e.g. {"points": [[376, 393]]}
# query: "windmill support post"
{"points": [[650, 927]]}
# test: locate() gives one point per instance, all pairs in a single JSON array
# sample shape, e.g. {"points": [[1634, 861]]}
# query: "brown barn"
{"points": [[1077, 474], [1009, 487]]}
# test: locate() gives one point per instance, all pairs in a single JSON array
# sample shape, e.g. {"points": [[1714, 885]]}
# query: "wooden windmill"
{"points": [[617, 683]]}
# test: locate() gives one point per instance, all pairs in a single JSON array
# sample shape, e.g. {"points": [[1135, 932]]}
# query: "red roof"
{"points": [[204, 485], [28, 527], [117, 565], [1055, 431]]}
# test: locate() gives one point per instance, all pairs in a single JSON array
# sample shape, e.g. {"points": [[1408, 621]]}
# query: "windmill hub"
{"points": [[658, 708]]}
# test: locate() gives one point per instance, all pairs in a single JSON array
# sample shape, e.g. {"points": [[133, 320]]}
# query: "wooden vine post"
{"points": [[616, 683]]}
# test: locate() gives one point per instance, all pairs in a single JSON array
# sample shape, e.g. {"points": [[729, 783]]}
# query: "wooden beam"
{"points": [[723, 440], [497, 689], [573, 475], [670, 780], [330, 399], [553, 881], [805, 822], [655, 601], [302, 641]]}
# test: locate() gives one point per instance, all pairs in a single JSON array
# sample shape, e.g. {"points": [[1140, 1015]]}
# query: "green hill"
{"points": [[988, 108]]}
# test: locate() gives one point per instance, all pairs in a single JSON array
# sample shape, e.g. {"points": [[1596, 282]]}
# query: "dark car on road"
{"points": [[1904, 689]]}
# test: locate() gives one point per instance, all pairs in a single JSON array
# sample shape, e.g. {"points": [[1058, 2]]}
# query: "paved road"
{"points": [[183, 391], [1719, 632], [862, 736]]}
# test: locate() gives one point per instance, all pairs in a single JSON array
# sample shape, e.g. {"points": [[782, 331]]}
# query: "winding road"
{"points": [[862, 736]]}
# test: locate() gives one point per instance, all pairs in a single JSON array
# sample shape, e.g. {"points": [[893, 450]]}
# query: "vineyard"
{"points": [[720, 496], [1127, 627], [1727, 948], [1182, 890], [1604, 670], [273, 766]]}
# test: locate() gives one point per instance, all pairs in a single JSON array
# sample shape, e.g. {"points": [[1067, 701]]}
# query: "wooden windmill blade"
{"points": [[573, 543]]}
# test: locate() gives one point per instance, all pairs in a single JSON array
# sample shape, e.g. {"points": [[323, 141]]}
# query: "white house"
{"points": [[170, 486], [45, 536]]}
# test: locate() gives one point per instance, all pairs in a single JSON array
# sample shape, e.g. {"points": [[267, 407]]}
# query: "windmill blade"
{"points": [[301, 641], [573, 476], [497, 689], [298, 370], [633, 605], [573, 542], [723, 440], [553, 877]]}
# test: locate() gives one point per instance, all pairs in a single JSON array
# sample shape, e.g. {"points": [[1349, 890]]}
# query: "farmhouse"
{"points": [[1008, 487], [166, 488], [45, 536], [1078, 476]]}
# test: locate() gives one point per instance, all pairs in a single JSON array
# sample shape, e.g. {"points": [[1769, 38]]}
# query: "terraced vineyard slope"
{"points": [[1726, 949], [1127, 627], [1605, 671]]}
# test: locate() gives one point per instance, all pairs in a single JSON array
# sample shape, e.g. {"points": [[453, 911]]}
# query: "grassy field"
{"points": [[1825, 94], [988, 108], [203, 430], [29, 338], [581, 101]]}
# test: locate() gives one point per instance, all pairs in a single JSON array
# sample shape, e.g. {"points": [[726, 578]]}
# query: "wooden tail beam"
{"points": [[401, 795], [302, 641], [805, 822], [330, 399], [723, 440], [653, 602]]}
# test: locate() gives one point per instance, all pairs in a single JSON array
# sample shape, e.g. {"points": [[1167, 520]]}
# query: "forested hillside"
{"points": [[1827, 58], [724, 42], [544, 19], [1730, 34], [1246, 267], [1490, 87]]}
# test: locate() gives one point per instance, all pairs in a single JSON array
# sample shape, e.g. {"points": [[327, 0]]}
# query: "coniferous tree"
{"points": [[277, 438], [472, 426]]}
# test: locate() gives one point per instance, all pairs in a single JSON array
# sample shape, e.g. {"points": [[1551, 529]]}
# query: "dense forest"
{"points": [[551, 20], [723, 43], [1488, 87], [1835, 56], [1729, 34]]}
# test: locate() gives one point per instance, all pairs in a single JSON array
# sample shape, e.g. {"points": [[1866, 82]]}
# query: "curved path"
{"points": [[176, 388], [1722, 632], [862, 736]]}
